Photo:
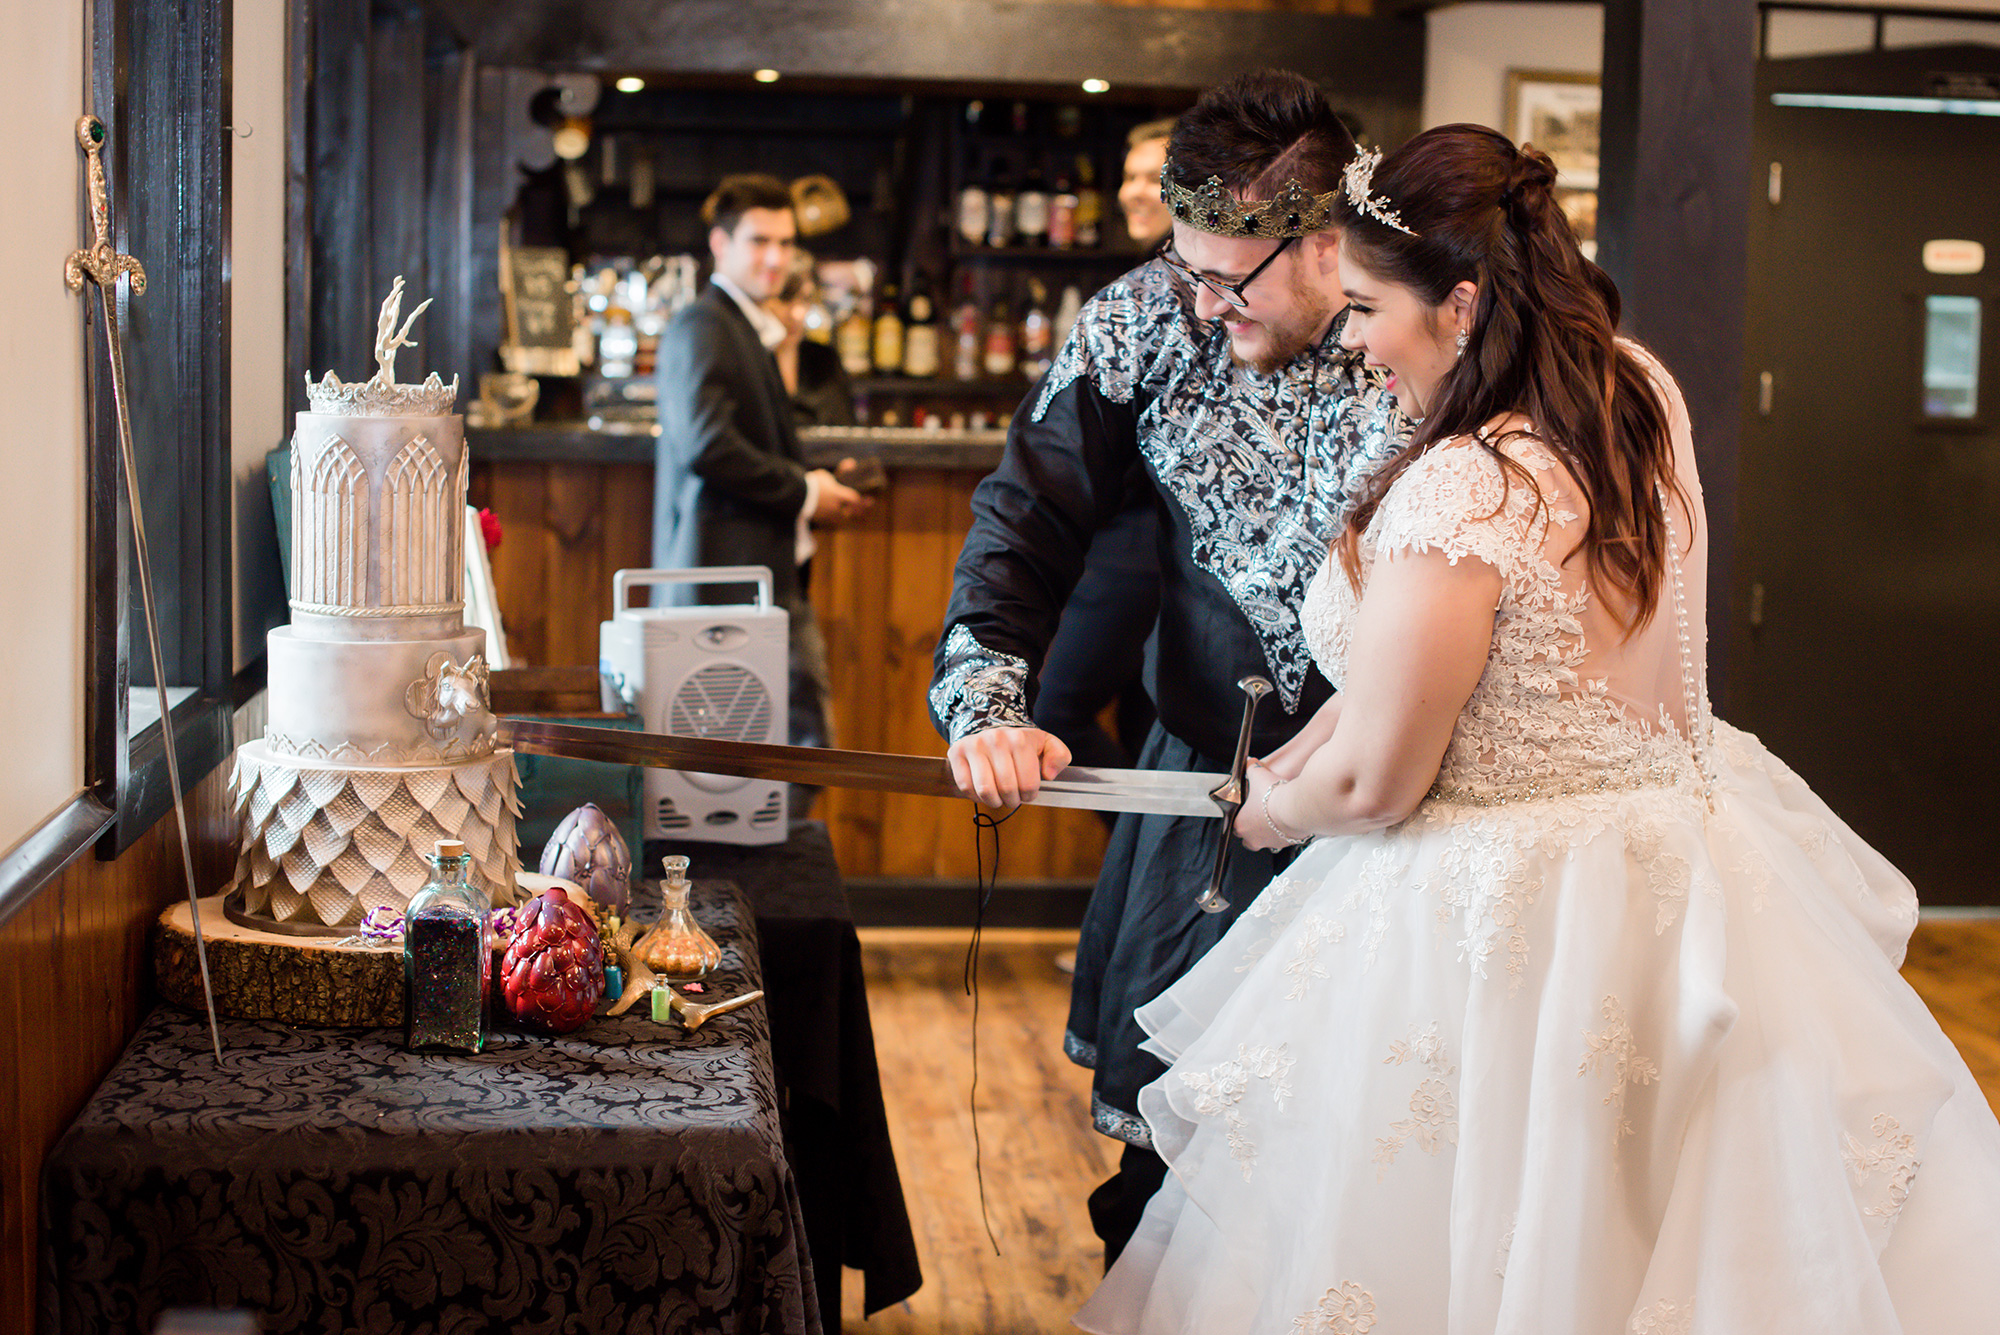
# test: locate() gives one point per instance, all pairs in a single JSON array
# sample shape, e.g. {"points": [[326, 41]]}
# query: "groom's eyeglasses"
{"points": [[1229, 292]]}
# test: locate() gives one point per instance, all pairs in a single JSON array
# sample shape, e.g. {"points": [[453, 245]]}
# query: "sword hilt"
{"points": [[1229, 797]]}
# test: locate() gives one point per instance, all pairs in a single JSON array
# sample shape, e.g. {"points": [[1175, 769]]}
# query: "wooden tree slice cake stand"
{"points": [[265, 976]]}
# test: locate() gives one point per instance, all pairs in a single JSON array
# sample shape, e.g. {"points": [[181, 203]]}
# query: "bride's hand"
{"points": [[1251, 827]]}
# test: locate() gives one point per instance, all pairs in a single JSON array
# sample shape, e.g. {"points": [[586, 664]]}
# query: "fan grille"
{"points": [[723, 701]]}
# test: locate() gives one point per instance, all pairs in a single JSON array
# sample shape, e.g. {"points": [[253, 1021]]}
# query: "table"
{"points": [[627, 1177], [836, 1129]]}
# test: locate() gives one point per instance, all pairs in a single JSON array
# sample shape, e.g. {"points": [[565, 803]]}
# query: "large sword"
{"points": [[103, 266], [1159, 792]]}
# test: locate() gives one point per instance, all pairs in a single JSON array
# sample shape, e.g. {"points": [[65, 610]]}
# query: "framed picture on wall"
{"points": [[1557, 111]]}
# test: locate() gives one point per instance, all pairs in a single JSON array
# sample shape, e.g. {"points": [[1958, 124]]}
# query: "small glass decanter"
{"points": [[446, 961], [678, 950]]}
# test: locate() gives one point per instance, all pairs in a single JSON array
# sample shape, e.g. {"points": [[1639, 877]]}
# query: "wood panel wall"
{"points": [[879, 589], [75, 979]]}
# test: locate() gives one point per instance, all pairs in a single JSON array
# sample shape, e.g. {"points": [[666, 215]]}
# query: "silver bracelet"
{"points": [[1276, 784]]}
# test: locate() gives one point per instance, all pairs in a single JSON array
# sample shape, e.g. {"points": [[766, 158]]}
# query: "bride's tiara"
{"points": [[1359, 182]]}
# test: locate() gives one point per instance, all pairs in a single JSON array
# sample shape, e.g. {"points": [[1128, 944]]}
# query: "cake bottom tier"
{"points": [[323, 844]]}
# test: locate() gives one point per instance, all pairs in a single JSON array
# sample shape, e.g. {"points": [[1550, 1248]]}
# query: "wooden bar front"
{"points": [[879, 587]]}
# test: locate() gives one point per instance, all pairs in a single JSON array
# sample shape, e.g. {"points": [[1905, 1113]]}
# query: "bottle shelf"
{"points": [[944, 386], [1042, 255]]}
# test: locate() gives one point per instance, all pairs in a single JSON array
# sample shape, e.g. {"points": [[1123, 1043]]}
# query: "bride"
{"points": [[1580, 1015]]}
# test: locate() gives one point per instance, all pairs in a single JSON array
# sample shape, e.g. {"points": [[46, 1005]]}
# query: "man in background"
{"points": [[1146, 216], [731, 485]]}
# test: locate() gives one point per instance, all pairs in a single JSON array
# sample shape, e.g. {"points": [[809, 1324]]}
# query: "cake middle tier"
{"points": [[385, 703]]}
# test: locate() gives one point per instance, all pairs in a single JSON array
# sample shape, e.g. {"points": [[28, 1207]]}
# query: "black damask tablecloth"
{"points": [[836, 1127], [627, 1177]]}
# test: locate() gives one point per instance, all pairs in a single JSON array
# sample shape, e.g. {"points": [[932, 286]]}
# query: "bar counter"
{"points": [[613, 443], [575, 506]]}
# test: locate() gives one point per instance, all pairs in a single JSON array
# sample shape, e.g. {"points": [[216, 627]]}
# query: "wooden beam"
{"points": [[1673, 224], [1057, 42]]}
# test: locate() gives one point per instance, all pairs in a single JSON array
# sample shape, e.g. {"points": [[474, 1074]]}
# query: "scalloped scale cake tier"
{"points": [[383, 703], [322, 844]]}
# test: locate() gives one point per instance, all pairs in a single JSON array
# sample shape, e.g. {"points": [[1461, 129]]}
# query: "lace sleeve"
{"points": [[1459, 501]]}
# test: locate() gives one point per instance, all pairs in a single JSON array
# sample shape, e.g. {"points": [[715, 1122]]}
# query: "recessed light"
{"points": [[631, 83], [765, 76], [1096, 86]]}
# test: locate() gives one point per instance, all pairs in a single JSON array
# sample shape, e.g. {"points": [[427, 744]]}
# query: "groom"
{"points": [[1218, 366]]}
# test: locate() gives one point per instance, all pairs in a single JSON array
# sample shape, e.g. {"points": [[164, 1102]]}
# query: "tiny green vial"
{"points": [[445, 958]]}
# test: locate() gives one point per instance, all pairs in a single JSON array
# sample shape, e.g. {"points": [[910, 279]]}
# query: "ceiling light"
{"points": [[631, 83], [765, 76], [1096, 86]]}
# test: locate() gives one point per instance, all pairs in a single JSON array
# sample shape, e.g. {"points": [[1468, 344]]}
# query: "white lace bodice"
{"points": [[1567, 704]]}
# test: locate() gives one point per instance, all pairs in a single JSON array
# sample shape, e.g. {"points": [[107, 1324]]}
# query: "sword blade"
{"points": [[1152, 791], [142, 563]]}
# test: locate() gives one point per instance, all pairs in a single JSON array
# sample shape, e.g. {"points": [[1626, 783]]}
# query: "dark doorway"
{"points": [[1864, 633]]}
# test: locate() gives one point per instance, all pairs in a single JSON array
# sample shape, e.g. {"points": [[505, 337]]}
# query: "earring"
{"points": [[1462, 339]]}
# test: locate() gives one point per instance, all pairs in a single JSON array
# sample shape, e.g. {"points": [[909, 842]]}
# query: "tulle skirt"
{"points": [[1638, 1062]]}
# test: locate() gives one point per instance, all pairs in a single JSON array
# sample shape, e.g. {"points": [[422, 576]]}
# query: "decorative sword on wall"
{"points": [[103, 266], [1159, 792]]}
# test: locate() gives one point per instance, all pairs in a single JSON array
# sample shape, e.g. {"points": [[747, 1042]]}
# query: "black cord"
{"points": [[981, 823]]}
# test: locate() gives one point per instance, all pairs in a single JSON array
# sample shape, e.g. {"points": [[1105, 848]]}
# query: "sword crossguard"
{"points": [[100, 263], [1229, 795]]}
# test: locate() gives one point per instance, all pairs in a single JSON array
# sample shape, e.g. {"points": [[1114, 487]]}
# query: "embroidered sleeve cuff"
{"points": [[978, 688]]}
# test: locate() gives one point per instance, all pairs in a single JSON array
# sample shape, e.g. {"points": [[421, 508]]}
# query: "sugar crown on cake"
{"points": [[379, 395]]}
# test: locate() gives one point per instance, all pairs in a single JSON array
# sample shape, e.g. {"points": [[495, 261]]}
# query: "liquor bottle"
{"points": [[975, 211], [819, 319], [1062, 216], [888, 347], [447, 964], [1000, 355], [1000, 214], [1067, 310], [1036, 332], [967, 345], [852, 337], [920, 332], [1031, 210], [1089, 204], [617, 344]]}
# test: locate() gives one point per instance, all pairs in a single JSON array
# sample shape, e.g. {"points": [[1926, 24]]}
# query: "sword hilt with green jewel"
{"points": [[101, 263]]}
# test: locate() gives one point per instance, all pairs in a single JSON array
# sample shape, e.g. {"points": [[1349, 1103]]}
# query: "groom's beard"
{"points": [[1298, 331]]}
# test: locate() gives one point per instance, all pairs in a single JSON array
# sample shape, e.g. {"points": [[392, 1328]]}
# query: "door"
{"points": [[1865, 619]]}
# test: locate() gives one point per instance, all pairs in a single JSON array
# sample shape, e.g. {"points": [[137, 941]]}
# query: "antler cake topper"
{"points": [[379, 395], [386, 342]]}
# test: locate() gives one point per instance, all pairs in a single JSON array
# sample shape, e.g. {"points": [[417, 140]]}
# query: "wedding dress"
{"points": [[1607, 1037]]}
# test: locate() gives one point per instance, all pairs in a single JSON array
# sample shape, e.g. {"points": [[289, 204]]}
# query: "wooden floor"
{"points": [[1040, 1157]]}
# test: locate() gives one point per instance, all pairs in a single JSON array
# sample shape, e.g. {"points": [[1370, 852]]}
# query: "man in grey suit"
{"points": [[731, 485]]}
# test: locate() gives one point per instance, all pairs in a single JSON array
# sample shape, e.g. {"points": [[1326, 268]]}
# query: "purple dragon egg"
{"points": [[587, 849]]}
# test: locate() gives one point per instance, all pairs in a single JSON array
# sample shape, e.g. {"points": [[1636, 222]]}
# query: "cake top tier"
{"points": [[380, 395]]}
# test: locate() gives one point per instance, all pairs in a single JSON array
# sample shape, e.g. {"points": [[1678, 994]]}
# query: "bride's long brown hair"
{"points": [[1542, 343]]}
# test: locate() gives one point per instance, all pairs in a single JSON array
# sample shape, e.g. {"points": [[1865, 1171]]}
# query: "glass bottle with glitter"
{"points": [[678, 950], [446, 958]]}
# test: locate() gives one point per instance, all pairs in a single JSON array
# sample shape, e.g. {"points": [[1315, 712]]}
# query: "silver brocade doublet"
{"points": [[1265, 468]]}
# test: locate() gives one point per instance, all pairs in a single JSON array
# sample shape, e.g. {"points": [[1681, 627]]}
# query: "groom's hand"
{"points": [[1004, 767]]}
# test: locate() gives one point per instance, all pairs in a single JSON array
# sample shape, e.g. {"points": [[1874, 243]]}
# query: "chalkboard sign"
{"points": [[534, 281]]}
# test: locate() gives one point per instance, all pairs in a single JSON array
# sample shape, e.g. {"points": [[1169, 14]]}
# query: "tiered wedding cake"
{"points": [[380, 735]]}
